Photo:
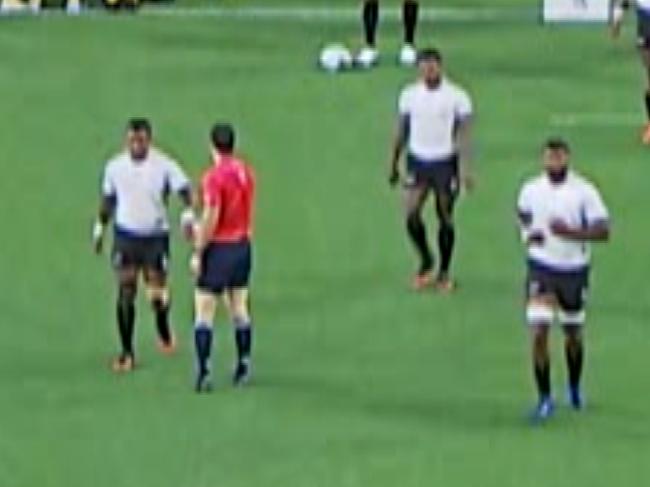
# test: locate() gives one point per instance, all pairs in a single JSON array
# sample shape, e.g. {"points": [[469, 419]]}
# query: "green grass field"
{"points": [[358, 382]]}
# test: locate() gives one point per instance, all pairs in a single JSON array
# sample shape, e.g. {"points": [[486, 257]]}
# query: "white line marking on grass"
{"points": [[333, 13], [596, 119]]}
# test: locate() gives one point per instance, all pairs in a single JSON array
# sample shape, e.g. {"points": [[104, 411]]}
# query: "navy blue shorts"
{"points": [[440, 176], [148, 253], [225, 266]]}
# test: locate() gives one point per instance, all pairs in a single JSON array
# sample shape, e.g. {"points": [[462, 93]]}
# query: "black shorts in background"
{"points": [[225, 266], [149, 253], [568, 288], [440, 176]]}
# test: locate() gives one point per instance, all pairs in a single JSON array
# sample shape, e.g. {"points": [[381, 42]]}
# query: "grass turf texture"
{"points": [[359, 382]]}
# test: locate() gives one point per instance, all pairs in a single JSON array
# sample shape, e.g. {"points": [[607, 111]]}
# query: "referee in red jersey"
{"points": [[222, 260]]}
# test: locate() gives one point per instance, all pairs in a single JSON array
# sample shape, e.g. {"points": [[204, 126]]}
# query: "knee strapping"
{"points": [[539, 314]]}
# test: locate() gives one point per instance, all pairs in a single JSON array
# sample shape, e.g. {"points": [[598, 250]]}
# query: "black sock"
{"points": [[647, 103], [418, 234], [574, 360], [370, 20], [126, 324], [161, 310], [410, 19], [543, 379], [446, 240], [203, 344], [243, 339]]}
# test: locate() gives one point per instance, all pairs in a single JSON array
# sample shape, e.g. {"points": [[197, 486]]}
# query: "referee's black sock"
{"points": [[418, 234], [161, 310], [574, 351], [370, 21], [446, 241], [647, 103], [126, 320], [203, 344], [543, 378], [410, 19], [243, 339]]}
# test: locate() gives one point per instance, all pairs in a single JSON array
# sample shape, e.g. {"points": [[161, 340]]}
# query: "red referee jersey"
{"points": [[229, 185]]}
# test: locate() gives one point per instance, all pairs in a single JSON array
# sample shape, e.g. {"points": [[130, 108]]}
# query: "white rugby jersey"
{"points": [[432, 117], [576, 202], [140, 189]]}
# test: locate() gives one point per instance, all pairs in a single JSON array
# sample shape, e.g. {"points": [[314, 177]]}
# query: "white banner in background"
{"points": [[576, 10]]}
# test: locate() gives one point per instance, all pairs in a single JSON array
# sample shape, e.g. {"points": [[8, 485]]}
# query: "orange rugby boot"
{"points": [[123, 363]]}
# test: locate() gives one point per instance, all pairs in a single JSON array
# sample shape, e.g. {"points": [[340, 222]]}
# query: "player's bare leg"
{"points": [[240, 313], [539, 314], [644, 52], [127, 280], [574, 353], [446, 240], [205, 307], [158, 296], [415, 196]]}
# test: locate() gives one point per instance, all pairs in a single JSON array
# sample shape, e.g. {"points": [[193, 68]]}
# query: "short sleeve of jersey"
{"points": [[404, 103], [211, 191], [464, 106], [594, 208], [523, 202], [178, 180], [108, 185]]}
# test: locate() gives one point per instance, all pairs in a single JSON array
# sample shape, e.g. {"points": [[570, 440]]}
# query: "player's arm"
{"points": [[529, 235], [399, 142], [619, 8], [180, 183], [464, 148], [598, 231], [596, 227], [107, 205]]}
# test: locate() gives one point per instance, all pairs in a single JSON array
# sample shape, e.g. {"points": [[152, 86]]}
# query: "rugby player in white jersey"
{"points": [[135, 190], [559, 212], [434, 128], [642, 9]]}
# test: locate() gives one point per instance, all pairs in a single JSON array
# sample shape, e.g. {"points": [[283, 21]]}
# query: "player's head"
{"points": [[138, 137], [556, 159], [430, 65], [222, 136]]}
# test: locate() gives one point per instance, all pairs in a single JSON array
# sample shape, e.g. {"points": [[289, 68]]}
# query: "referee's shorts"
{"points": [[225, 266]]}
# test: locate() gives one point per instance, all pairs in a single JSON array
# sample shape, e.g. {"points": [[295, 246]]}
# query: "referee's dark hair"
{"points": [[223, 137], [430, 54], [139, 124], [557, 144]]}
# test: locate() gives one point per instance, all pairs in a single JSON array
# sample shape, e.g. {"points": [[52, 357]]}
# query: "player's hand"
{"points": [[393, 177], [468, 182], [561, 229], [98, 238], [536, 239], [195, 264], [188, 224]]}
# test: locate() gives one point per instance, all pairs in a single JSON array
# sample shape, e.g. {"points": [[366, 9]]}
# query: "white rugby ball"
{"points": [[334, 58]]}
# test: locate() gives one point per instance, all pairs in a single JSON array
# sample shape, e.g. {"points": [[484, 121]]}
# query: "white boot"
{"points": [[408, 56], [367, 57]]}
